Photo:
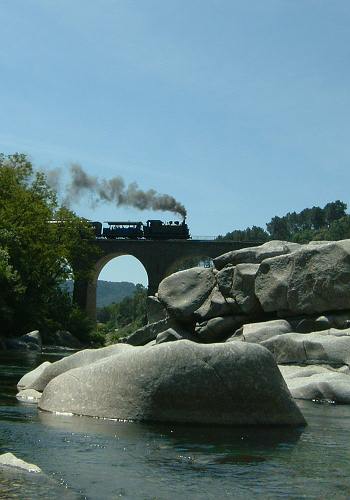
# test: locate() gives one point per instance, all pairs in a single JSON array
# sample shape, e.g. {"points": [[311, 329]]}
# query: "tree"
{"points": [[278, 229], [317, 217], [255, 233], [338, 230], [330, 222], [37, 254], [334, 211], [125, 317], [11, 289]]}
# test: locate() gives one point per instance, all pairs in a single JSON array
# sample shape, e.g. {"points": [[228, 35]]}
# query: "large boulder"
{"points": [[184, 292], [258, 332], [224, 279], [232, 384], [237, 284], [216, 305], [318, 383], [313, 279], [326, 347], [81, 358], [255, 255], [29, 378], [243, 288]]}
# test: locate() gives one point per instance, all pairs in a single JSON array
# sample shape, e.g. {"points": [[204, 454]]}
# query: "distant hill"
{"points": [[108, 291]]}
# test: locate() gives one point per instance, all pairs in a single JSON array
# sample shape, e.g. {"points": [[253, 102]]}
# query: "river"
{"points": [[101, 459]]}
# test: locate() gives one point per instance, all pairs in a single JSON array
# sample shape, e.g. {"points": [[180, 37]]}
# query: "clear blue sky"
{"points": [[239, 109]]}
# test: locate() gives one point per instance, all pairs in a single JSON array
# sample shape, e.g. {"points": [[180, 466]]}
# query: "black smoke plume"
{"points": [[116, 191]]}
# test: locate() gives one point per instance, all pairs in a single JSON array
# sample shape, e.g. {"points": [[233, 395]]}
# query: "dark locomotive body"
{"points": [[158, 230], [152, 230]]}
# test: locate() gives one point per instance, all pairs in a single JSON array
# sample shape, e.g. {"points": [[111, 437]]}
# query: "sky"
{"points": [[239, 109]]}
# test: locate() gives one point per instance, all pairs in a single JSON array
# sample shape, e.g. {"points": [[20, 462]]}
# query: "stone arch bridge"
{"points": [[157, 256]]}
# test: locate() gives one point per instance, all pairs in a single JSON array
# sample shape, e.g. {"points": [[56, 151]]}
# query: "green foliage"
{"points": [[337, 230], [254, 233], [120, 320], [36, 255], [304, 226], [11, 290], [328, 223]]}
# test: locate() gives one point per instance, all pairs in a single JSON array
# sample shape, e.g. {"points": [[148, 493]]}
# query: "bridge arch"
{"points": [[157, 257], [91, 291]]}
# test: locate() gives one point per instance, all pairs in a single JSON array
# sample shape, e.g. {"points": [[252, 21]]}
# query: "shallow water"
{"points": [[101, 459]]}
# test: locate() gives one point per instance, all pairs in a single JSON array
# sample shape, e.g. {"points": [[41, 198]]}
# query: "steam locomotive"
{"points": [[152, 230]]}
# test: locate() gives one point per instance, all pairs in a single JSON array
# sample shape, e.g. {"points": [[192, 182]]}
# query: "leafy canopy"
{"points": [[328, 223], [36, 254]]}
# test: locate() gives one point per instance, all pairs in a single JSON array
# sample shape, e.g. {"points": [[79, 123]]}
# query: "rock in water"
{"points": [[10, 460], [313, 279], [81, 358], [321, 383], [28, 396], [30, 377], [231, 384]]}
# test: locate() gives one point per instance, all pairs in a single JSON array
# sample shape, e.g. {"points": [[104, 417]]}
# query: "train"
{"points": [[152, 230]]}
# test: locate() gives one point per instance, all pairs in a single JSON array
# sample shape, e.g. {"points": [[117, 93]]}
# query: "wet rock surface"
{"points": [[28, 396], [10, 460]]}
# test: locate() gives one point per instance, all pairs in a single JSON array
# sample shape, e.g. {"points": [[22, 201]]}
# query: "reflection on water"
{"points": [[103, 459], [16, 484]]}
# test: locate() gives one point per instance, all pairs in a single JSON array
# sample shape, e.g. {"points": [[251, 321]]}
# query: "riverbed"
{"points": [[93, 458]]}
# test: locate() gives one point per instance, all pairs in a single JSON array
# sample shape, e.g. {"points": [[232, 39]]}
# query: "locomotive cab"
{"points": [[158, 230]]}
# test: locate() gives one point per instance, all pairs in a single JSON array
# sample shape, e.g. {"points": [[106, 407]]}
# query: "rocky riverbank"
{"points": [[32, 341], [292, 299], [278, 305]]}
